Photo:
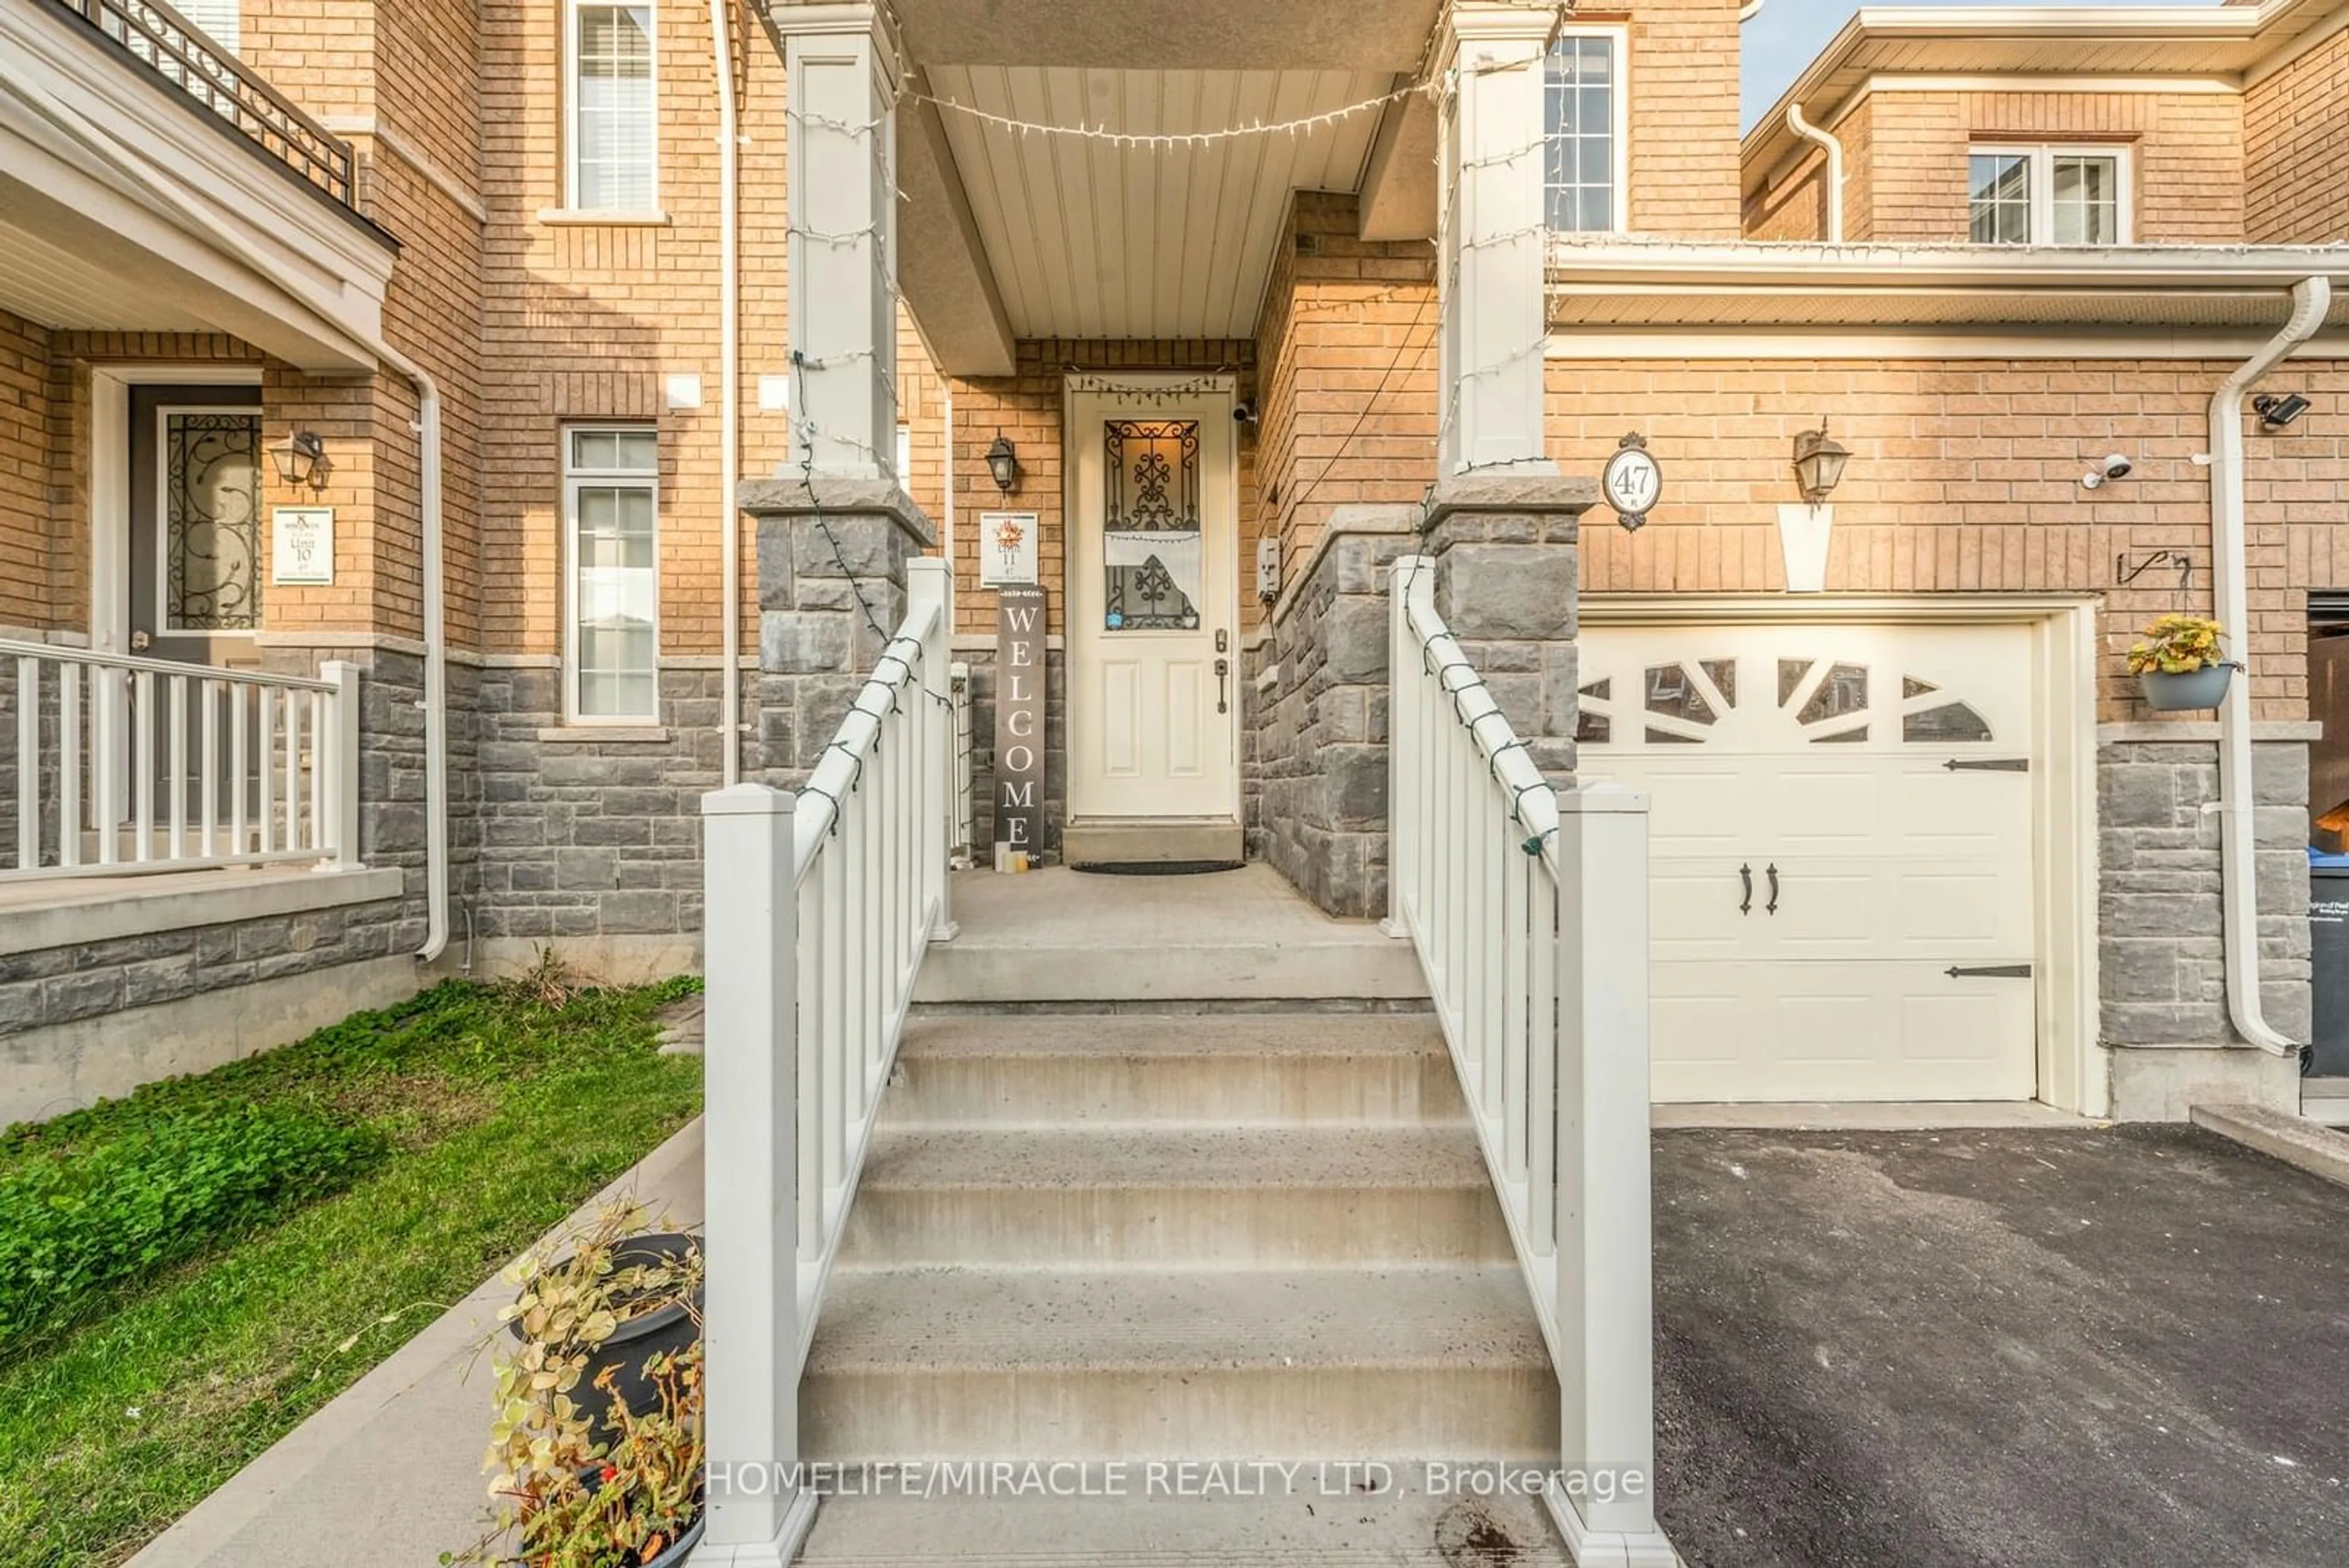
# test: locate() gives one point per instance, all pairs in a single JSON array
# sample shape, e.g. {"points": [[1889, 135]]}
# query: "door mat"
{"points": [[1156, 868]]}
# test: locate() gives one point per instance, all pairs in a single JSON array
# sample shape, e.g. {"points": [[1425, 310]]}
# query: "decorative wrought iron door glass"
{"points": [[212, 521], [1150, 527]]}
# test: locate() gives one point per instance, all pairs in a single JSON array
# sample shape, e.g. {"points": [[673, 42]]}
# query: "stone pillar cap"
{"points": [[837, 495]]}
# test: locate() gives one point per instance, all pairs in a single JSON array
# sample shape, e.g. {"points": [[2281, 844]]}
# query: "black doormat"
{"points": [[1156, 868]]}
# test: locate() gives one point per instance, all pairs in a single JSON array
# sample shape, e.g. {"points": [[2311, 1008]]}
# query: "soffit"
{"points": [[43, 282], [1087, 238]]}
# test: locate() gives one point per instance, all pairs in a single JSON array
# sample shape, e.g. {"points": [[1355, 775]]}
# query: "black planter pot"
{"points": [[681, 1549], [666, 1330]]}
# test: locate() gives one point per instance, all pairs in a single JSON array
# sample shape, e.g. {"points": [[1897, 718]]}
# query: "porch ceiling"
{"points": [[1087, 238], [46, 282]]}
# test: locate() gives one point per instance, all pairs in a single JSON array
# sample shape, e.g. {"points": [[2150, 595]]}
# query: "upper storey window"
{"points": [[220, 20], [1582, 179], [612, 106], [2048, 196]]}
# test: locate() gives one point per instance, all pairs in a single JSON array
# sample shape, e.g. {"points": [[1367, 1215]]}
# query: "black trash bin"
{"points": [[2328, 934]]}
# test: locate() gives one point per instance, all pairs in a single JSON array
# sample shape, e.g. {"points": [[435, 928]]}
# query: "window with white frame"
{"points": [[613, 129], [1582, 177], [610, 506], [221, 20], [2047, 195]]}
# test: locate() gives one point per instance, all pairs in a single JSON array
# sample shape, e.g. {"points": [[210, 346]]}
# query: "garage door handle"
{"points": [[1772, 907], [1989, 971], [1745, 874]]}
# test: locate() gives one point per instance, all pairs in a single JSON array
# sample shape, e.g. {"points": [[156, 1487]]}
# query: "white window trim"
{"points": [[570, 209], [1620, 133], [2041, 156], [572, 478]]}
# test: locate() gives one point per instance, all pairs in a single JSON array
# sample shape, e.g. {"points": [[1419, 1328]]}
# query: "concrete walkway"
{"points": [[1999, 1349], [388, 1474]]}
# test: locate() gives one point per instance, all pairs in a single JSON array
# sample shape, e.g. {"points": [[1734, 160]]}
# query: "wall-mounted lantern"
{"points": [[1818, 463], [1804, 530], [301, 458], [1003, 462]]}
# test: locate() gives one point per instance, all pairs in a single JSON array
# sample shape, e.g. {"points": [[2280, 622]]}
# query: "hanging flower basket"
{"points": [[2203, 688], [2177, 664]]}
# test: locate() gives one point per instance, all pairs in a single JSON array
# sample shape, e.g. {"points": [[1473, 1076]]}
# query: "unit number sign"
{"points": [[1632, 480]]}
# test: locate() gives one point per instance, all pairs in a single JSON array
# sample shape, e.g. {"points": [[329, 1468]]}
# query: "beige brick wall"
{"points": [[27, 414], [1964, 478], [2295, 146], [1684, 116], [2186, 153], [1345, 358]]}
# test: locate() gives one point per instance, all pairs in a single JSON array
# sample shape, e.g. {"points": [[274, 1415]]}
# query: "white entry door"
{"points": [[1153, 657], [1842, 854]]}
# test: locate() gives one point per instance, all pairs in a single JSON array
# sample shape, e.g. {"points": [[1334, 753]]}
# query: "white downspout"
{"points": [[2238, 894], [428, 456], [730, 402], [1809, 132]]}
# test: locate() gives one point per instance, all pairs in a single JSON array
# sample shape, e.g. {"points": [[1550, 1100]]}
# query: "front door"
{"points": [[196, 523], [1153, 653]]}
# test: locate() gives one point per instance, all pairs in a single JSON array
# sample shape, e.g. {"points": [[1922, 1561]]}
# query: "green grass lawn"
{"points": [[486, 1116]]}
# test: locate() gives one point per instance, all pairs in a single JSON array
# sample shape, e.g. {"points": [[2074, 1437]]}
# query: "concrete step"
{"points": [[1217, 1069], [1306, 1363], [1318, 1519], [1239, 936], [1279, 1197]]}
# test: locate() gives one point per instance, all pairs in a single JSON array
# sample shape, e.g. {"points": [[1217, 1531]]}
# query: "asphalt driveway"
{"points": [[2114, 1348]]}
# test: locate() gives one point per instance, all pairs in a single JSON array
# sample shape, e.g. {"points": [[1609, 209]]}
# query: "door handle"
{"points": [[1222, 679], [1745, 874], [1772, 907]]}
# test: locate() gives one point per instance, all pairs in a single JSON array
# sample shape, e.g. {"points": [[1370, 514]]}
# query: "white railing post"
{"points": [[1411, 580], [1606, 1351], [930, 581], [751, 1331], [966, 819], [337, 742]]}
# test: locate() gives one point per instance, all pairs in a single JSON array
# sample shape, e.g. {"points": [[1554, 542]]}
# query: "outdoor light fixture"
{"points": [[301, 458], [1818, 463], [2277, 411], [1003, 462]]}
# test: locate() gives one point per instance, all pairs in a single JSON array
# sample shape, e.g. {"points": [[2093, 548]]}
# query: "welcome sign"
{"points": [[1018, 726]]}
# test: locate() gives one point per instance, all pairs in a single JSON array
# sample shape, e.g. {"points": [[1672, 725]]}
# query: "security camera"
{"points": [[1244, 413], [2115, 466]]}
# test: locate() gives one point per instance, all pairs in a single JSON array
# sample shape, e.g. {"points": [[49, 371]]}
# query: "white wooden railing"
{"points": [[124, 765], [820, 905], [1528, 906]]}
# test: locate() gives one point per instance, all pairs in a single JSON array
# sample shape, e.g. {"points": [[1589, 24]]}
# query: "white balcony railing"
{"points": [[124, 765], [820, 905], [1528, 906]]}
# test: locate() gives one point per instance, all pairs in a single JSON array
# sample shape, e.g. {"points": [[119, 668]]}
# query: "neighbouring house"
{"points": [[440, 444]]}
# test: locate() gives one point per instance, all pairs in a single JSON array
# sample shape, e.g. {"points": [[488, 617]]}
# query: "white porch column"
{"points": [[1489, 280], [843, 70]]}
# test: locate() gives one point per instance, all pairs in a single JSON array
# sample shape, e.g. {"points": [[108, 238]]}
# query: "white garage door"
{"points": [[1842, 854]]}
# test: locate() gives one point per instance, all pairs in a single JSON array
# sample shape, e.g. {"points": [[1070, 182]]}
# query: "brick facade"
{"points": [[2295, 139], [1905, 175], [1965, 479]]}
